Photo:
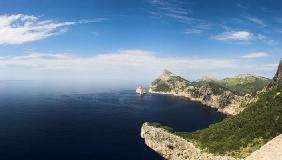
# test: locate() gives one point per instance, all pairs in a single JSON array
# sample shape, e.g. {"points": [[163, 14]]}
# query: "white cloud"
{"points": [[256, 21], [120, 59], [256, 55], [234, 35], [20, 28], [133, 65]]}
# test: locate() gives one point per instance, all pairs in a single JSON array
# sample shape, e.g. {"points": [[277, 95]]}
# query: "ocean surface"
{"points": [[42, 121]]}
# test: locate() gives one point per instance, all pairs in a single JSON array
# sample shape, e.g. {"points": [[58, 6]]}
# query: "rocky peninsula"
{"points": [[213, 93], [253, 133], [173, 147]]}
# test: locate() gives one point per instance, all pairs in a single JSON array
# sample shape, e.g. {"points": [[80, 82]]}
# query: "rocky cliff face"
{"points": [[277, 79], [206, 92], [173, 147], [272, 150]]}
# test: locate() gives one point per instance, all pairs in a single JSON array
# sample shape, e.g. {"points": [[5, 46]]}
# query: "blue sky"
{"points": [[109, 39]]}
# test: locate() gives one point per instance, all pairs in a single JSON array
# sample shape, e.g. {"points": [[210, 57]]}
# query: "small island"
{"points": [[140, 90]]}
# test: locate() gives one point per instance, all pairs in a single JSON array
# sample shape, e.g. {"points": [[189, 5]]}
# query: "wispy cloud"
{"points": [[193, 31], [255, 55], [256, 21], [179, 11], [20, 28], [198, 28], [242, 4], [171, 9], [234, 35], [136, 65], [265, 39]]}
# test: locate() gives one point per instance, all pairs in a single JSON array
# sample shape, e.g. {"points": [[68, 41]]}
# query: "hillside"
{"points": [[246, 132], [244, 84]]}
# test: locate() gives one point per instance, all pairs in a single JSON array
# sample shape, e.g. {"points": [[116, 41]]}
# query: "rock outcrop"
{"points": [[173, 147], [272, 150], [277, 79], [140, 90], [207, 92]]}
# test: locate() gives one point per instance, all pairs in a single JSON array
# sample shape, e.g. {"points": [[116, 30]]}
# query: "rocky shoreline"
{"points": [[232, 109]]}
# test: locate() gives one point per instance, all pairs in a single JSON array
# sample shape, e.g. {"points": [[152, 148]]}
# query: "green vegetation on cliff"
{"points": [[158, 125], [160, 86], [239, 85], [170, 83], [244, 84], [240, 135], [216, 88]]}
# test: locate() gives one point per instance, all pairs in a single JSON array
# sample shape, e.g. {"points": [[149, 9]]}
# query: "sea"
{"points": [[58, 121]]}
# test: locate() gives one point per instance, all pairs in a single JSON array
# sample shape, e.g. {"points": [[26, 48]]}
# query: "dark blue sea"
{"points": [[50, 121]]}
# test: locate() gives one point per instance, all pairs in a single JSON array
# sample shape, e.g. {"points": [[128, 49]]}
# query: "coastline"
{"points": [[229, 110]]}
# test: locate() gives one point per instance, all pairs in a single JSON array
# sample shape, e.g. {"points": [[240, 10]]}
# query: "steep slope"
{"points": [[246, 132], [210, 93], [169, 83], [270, 151]]}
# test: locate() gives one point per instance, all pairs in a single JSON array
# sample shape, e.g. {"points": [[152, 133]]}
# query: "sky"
{"points": [[135, 40]]}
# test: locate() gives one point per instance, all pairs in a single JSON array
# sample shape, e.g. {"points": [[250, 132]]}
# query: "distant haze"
{"points": [[124, 66]]}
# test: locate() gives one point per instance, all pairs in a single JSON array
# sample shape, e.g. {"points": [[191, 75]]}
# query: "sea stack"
{"points": [[140, 90]]}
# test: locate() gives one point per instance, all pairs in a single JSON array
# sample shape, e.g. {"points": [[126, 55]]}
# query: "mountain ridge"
{"points": [[215, 93]]}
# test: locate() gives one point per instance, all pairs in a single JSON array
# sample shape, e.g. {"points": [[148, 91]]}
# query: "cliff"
{"points": [[173, 147], [277, 79], [272, 150], [226, 95]]}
